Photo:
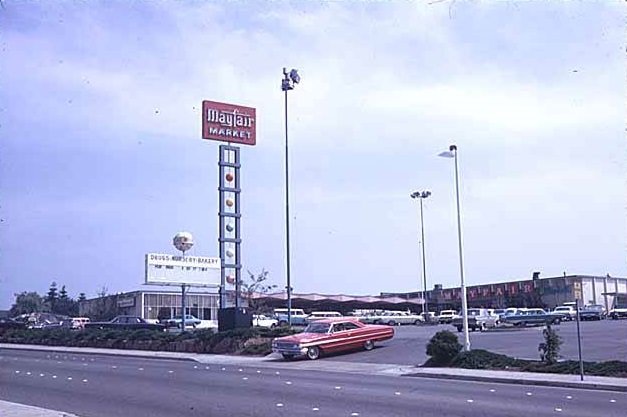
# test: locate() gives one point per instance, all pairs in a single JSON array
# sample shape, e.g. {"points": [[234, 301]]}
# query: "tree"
{"points": [[52, 296], [26, 303], [63, 293], [82, 297], [253, 287], [550, 348]]}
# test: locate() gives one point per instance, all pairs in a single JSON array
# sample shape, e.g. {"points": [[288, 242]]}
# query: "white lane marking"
{"points": [[240, 370], [470, 401], [279, 405], [58, 361], [224, 369], [27, 373], [397, 393], [69, 378], [277, 373], [315, 409], [54, 377], [206, 367], [41, 375], [569, 397], [258, 372], [612, 400], [529, 394], [338, 387], [140, 369], [84, 380], [492, 390], [195, 367], [558, 409], [170, 372], [85, 364], [245, 378], [17, 372], [288, 382], [354, 414], [114, 367]]}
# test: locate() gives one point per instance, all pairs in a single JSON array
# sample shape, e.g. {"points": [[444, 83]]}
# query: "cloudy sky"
{"points": [[102, 161]]}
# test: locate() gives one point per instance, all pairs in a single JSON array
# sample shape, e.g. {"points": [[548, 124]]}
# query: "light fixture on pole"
{"points": [[289, 80], [421, 195], [452, 153]]}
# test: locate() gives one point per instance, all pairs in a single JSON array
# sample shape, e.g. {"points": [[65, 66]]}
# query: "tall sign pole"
{"points": [[232, 124]]}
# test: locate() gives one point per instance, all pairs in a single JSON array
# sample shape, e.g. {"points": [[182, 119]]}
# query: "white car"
{"points": [[259, 320], [447, 316], [568, 312], [318, 315]]}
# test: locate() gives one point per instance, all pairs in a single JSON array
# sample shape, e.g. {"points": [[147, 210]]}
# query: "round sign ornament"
{"points": [[183, 241]]}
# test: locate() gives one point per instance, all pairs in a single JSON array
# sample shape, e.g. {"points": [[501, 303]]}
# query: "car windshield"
{"points": [[317, 328], [472, 312]]}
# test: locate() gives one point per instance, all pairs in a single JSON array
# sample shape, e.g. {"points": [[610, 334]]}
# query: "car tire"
{"points": [[391, 323], [313, 353], [557, 321], [482, 328], [417, 323], [369, 345], [273, 325], [459, 329], [283, 323]]}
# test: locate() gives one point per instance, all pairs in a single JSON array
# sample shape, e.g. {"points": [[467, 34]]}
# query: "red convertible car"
{"points": [[331, 335]]}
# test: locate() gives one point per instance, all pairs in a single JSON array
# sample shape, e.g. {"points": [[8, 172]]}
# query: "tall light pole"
{"points": [[452, 153], [289, 80], [421, 195]]}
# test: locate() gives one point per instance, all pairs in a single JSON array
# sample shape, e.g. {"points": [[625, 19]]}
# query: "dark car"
{"points": [[12, 324], [592, 312], [125, 322]]}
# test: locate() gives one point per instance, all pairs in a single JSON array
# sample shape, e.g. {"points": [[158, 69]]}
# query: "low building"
{"points": [[151, 305], [535, 292]]}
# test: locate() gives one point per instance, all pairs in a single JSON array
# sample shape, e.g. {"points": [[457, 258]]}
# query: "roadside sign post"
{"points": [[581, 371]]}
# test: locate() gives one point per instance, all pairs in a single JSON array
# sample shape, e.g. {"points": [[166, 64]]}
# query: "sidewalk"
{"points": [[275, 361], [8, 409]]}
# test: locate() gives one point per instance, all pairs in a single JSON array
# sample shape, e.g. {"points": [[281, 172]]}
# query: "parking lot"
{"points": [[601, 341]]}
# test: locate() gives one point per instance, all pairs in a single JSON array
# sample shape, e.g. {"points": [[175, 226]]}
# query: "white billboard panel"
{"points": [[196, 271]]}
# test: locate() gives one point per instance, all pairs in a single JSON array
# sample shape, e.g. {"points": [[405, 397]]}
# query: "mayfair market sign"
{"points": [[228, 123]]}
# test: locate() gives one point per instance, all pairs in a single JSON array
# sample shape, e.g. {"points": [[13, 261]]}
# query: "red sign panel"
{"points": [[229, 123]]}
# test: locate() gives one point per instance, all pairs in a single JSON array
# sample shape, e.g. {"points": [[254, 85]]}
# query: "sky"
{"points": [[102, 161]]}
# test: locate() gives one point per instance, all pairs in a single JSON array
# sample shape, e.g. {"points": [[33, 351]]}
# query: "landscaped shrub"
{"points": [[550, 348], [442, 348], [483, 359]]}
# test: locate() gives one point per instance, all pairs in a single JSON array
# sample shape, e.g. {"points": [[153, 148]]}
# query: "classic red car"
{"points": [[331, 335]]}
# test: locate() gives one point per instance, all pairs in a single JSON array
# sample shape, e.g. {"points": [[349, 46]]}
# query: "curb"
{"points": [[516, 381]]}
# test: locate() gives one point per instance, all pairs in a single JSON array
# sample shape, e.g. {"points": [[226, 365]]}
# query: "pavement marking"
{"points": [[245, 378], [277, 373], [240, 370], [69, 378], [54, 377], [114, 367], [558, 409], [91, 360], [354, 414], [170, 372], [470, 401], [195, 367], [569, 397], [612, 400], [206, 367], [224, 369], [82, 359], [27, 373], [58, 361], [397, 393], [84, 380], [17, 372], [492, 390], [41, 374], [258, 372], [338, 387], [85, 364], [140, 369], [529, 394], [288, 382], [315, 409], [279, 405]]}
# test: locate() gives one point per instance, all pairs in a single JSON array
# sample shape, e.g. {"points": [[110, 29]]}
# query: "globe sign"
{"points": [[183, 241]]}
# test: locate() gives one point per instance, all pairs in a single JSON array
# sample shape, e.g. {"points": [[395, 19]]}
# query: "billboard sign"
{"points": [[229, 123], [196, 271]]}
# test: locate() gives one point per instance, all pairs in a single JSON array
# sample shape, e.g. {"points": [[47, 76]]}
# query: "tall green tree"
{"points": [[63, 293], [26, 303], [52, 296], [82, 297]]}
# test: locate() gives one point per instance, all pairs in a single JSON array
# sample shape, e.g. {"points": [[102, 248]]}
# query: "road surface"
{"points": [[110, 386]]}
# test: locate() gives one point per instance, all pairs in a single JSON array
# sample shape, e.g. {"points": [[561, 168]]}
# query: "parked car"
{"points": [[12, 324], [261, 320], [79, 322], [177, 321], [447, 316], [531, 316], [478, 319], [592, 312], [328, 335], [125, 322], [299, 318], [619, 307], [393, 318], [318, 315], [568, 312]]}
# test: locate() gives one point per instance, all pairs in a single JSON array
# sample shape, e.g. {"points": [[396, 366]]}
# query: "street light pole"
{"points": [[452, 153], [289, 79], [421, 195]]}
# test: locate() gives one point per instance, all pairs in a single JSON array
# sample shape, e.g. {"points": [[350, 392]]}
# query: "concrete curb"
{"points": [[589, 385], [9, 409]]}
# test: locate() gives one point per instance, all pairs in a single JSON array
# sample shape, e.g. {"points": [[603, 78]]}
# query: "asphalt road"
{"points": [[109, 386], [601, 341]]}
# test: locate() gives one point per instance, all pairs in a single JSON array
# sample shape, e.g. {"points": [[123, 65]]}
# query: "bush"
{"points": [[442, 348], [550, 348], [483, 359]]}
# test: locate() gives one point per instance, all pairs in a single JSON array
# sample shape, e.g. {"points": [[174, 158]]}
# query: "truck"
{"points": [[299, 318], [619, 307], [478, 319]]}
